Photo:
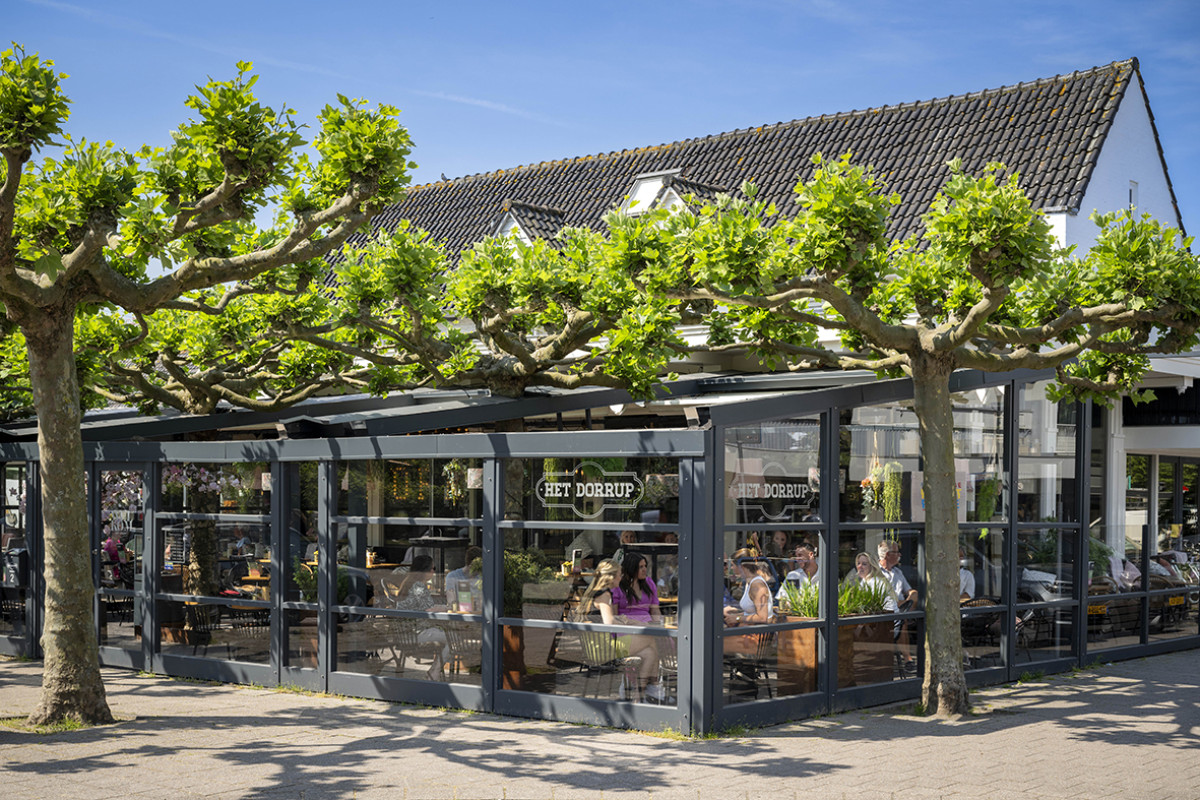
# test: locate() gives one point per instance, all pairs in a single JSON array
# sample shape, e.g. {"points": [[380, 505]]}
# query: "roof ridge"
{"points": [[1131, 63]]}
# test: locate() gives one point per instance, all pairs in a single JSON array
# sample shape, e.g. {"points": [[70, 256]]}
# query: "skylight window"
{"points": [[645, 189]]}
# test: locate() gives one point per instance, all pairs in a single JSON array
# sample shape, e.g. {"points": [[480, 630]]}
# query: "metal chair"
{"points": [[748, 674]]}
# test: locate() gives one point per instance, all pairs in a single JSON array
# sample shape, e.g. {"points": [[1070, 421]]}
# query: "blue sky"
{"points": [[493, 85]]}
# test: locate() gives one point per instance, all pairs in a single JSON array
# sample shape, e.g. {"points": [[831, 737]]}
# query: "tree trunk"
{"points": [[945, 688], [71, 684]]}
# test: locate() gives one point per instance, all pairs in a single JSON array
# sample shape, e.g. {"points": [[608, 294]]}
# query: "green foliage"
{"points": [[854, 598], [522, 567], [32, 106]]}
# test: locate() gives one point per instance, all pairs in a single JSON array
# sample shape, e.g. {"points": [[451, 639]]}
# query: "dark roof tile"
{"points": [[1048, 130]]}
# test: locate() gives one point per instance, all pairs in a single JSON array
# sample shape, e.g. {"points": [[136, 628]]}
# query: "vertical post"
{"points": [[281, 493], [151, 570], [94, 541], [1012, 436], [831, 483], [326, 576], [1083, 474], [700, 609], [493, 578], [36, 589]]}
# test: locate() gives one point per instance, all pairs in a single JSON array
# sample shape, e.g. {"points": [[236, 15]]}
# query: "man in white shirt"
{"points": [[805, 569], [906, 598], [966, 578]]}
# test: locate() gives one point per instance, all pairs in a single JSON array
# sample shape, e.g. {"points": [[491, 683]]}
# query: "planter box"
{"points": [[865, 655]]}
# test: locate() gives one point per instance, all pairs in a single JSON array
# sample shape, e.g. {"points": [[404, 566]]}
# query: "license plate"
{"points": [[1175, 601], [1097, 609]]}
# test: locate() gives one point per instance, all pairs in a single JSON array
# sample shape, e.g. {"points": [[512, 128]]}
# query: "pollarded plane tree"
{"points": [[985, 287], [77, 233], [506, 316]]}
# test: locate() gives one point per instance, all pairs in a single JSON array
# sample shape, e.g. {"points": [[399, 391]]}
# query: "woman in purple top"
{"points": [[636, 596], [635, 600]]}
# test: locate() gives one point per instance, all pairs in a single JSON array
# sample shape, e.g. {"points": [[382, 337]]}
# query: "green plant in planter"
{"points": [[800, 601], [854, 598], [859, 597]]}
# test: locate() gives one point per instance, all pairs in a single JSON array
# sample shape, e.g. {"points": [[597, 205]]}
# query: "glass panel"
{"points": [[14, 553], [239, 633], [754, 667], [981, 566], [1191, 478], [639, 668], [982, 624], [1046, 486], [1174, 613], [1169, 529], [552, 583], [1113, 621], [243, 488], [1100, 470], [619, 490], [980, 472], [302, 639], [879, 452], [415, 649], [411, 488], [122, 513], [1045, 560], [117, 624], [1044, 634], [885, 555], [772, 472], [368, 552], [122, 516]]}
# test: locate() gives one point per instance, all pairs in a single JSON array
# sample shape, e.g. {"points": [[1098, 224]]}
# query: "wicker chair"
{"points": [[602, 658]]}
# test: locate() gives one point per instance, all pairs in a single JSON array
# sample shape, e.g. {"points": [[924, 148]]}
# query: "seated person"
{"points": [[754, 608], [805, 569], [414, 594], [966, 578], [634, 600], [468, 571]]}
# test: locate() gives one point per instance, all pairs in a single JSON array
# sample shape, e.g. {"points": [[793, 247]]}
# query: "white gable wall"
{"points": [[1130, 153]]}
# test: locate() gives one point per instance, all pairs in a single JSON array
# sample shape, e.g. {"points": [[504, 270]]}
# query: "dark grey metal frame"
{"points": [[701, 466]]}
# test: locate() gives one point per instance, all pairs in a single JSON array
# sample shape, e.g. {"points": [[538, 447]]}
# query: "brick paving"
{"points": [[1124, 730]]}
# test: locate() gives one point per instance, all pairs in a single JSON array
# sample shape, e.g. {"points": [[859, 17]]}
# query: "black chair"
{"points": [[749, 673]]}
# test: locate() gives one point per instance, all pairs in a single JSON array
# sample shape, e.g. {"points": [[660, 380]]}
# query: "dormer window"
{"points": [[646, 189], [510, 228]]}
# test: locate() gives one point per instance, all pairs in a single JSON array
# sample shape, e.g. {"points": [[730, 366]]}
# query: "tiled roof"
{"points": [[1050, 130], [538, 222]]}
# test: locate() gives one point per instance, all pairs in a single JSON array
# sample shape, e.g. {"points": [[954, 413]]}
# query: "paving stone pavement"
{"points": [[1124, 730]]}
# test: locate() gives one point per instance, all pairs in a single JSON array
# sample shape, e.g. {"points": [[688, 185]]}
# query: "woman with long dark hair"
{"points": [[635, 600]]}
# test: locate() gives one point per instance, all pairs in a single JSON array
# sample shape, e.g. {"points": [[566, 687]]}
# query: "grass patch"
{"points": [[1029, 677], [20, 725]]}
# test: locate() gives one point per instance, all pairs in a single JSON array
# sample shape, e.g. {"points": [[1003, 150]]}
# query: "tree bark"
{"points": [[71, 684], [945, 689]]}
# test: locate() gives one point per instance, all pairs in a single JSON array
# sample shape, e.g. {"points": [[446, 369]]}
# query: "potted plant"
{"points": [[862, 656]]}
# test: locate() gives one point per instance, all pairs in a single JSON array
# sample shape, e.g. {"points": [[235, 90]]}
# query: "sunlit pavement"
{"points": [[1125, 730]]}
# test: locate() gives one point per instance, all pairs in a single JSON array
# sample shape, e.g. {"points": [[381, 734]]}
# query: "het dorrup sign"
{"points": [[589, 490], [772, 491]]}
